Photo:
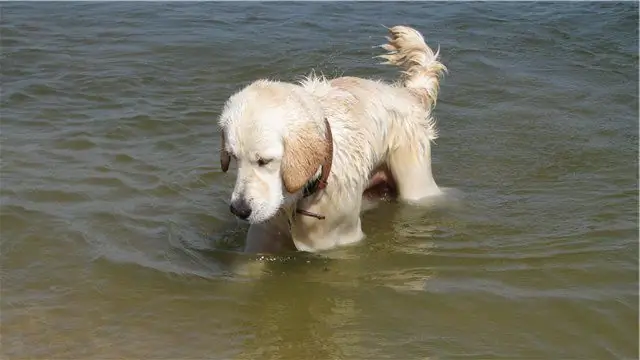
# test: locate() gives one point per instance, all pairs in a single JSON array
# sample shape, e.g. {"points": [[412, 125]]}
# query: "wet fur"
{"points": [[382, 136]]}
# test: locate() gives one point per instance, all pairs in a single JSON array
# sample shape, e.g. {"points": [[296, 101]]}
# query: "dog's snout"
{"points": [[240, 208]]}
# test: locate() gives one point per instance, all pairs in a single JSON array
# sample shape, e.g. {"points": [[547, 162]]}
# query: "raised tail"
{"points": [[422, 70]]}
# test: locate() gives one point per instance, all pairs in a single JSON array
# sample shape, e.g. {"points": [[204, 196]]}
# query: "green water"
{"points": [[117, 242]]}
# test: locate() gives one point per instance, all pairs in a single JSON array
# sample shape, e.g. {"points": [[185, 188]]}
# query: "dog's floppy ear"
{"points": [[225, 157], [304, 151]]}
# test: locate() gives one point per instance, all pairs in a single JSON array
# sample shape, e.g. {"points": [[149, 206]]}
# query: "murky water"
{"points": [[116, 236]]}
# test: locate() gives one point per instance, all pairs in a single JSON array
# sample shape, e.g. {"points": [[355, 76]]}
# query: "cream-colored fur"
{"points": [[276, 133]]}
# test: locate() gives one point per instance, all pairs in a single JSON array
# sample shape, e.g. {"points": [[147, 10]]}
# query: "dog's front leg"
{"points": [[269, 237]]}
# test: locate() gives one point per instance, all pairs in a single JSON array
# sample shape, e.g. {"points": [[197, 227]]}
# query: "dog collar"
{"points": [[320, 182]]}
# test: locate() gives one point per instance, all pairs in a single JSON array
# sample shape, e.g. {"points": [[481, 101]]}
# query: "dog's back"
{"points": [[375, 116]]}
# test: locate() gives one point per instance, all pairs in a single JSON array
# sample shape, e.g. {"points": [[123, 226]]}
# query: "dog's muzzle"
{"points": [[240, 208]]}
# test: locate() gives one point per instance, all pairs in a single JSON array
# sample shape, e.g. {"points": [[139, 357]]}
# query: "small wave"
{"points": [[77, 144]]}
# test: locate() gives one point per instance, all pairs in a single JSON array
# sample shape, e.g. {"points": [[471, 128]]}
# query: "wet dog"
{"points": [[308, 152]]}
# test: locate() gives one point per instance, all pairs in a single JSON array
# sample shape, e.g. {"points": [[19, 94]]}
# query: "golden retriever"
{"points": [[307, 152]]}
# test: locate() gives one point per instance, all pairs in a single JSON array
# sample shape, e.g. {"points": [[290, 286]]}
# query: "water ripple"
{"points": [[112, 193]]}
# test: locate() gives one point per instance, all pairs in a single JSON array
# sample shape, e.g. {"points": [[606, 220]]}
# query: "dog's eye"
{"points": [[263, 162]]}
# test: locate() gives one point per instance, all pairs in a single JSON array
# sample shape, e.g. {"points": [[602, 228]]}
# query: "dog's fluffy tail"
{"points": [[422, 70]]}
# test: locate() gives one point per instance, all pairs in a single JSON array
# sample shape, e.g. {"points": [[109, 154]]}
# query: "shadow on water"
{"points": [[220, 253]]}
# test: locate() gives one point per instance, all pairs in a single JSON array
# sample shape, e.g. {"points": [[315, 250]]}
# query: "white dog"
{"points": [[307, 152]]}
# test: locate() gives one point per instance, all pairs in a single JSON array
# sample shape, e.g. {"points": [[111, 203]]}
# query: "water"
{"points": [[116, 236]]}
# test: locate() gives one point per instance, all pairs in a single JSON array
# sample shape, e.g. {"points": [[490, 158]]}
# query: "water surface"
{"points": [[116, 236]]}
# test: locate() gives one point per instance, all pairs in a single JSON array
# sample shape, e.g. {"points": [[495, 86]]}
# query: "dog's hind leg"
{"points": [[410, 164]]}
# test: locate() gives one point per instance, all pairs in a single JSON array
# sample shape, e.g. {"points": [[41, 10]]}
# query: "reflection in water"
{"points": [[297, 321]]}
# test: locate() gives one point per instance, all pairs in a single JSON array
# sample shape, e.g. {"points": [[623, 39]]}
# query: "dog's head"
{"points": [[276, 133]]}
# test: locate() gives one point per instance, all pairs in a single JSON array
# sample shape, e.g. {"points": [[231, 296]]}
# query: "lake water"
{"points": [[117, 241]]}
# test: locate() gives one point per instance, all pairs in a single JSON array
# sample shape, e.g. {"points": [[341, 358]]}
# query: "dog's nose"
{"points": [[240, 208]]}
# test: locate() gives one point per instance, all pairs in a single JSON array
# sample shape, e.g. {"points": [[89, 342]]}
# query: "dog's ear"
{"points": [[304, 152], [225, 157]]}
